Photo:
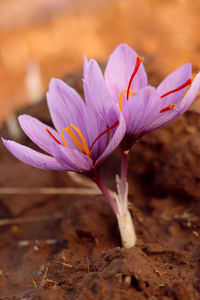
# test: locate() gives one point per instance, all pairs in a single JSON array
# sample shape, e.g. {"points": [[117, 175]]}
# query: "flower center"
{"points": [[81, 143]]}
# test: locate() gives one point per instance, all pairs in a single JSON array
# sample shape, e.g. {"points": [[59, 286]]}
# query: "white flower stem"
{"points": [[120, 208], [127, 230], [126, 227]]}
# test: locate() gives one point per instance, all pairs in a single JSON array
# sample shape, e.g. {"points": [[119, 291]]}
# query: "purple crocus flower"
{"points": [[144, 107], [79, 142]]}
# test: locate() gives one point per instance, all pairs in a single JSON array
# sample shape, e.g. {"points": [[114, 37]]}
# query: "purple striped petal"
{"points": [[173, 81], [32, 157], [171, 115], [65, 105], [140, 111], [116, 135], [191, 95], [78, 161], [100, 145], [85, 80], [36, 131], [100, 98], [119, 69]]}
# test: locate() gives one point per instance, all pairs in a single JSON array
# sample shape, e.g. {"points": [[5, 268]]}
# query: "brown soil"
{"points": [[74, 253]]}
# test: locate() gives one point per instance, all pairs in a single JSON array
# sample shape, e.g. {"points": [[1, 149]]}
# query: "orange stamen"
{"points": [[167, 108], [188, 82], [51, 134], [121, 97], [137, 64], [83, 140], [81, 145], [101, 134]]}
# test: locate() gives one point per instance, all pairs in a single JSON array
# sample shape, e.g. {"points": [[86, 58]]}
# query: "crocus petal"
{"points": [[100, 98], [32, 157], [173, 81], [171, 115], [116, 135], [78, 161], [140, 111], [36, 131], [85, 80], [96, 125], [191, 95], [86, 66], [65, 105], [119, 69]]}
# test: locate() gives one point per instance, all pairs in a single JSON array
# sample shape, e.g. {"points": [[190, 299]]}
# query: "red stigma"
{"points": [[101, 134], [51, 134], [167, 108], [137, 64], [188, 82]]}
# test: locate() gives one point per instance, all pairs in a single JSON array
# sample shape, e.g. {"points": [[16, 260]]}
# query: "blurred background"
{"points": [[42, 39]]}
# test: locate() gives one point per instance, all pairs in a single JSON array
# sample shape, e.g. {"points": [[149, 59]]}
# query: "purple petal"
{"points": [[36, 131], [116, 135], [85, 67], [65, 105], [100, 98], [140, 111], [85, 80], [100, 145], [95, 126], [173, 81], [191, 95], [169, 116], [32, 157], [119, 69], [78, 161]]}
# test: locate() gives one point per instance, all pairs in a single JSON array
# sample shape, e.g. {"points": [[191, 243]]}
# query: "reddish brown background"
{"points": [[56, 34]]}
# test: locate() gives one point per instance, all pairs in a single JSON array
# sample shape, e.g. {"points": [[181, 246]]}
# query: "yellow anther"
{"points": [[81, 145], [121, 97], [62, 137], [84, 143]]}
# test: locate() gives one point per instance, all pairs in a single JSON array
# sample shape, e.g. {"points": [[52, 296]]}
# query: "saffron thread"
{"points": [[51, 134], [188, 82], [167, 108], [137, 64], [101, 134], [84, 143], [121, 97], [81, 145]]}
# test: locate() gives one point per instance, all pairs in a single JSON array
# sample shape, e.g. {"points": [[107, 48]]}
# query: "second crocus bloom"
{"points": [[144, 107]]}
